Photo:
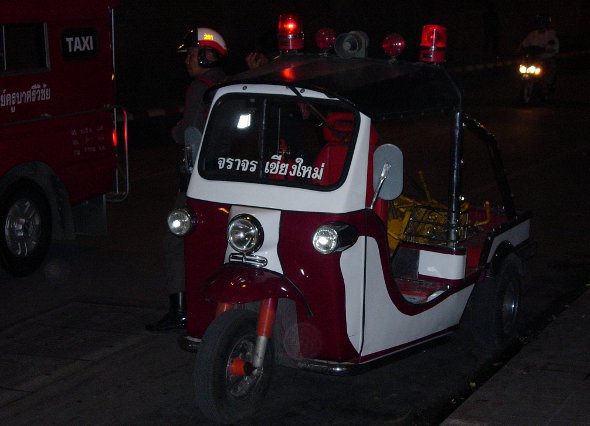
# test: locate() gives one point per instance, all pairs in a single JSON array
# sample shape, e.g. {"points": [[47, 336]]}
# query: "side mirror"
{"points": [[388, 172]]}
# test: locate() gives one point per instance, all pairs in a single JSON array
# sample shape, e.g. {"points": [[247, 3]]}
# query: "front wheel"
{"points": [[222, 395], [25, 232]]}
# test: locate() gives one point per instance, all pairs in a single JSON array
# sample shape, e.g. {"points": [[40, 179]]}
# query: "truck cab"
{"points": [[58, 125]]}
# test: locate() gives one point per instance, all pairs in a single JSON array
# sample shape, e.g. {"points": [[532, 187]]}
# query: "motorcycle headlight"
{"points": [[245, 233], [335, 236], [531, 69], [537, 70], [522, 69], [181, 221]]}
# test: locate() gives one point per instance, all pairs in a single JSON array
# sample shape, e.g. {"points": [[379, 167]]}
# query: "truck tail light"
{"points": [[290, 33], [433, 43], [114, 137]]}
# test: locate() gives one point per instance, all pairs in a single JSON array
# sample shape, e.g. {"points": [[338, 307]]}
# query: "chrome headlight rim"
{"points": [[334, 237], [253, 228], [181, 221]]}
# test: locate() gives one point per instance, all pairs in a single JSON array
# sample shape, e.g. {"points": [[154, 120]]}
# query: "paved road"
{"points": [[72, 345]]}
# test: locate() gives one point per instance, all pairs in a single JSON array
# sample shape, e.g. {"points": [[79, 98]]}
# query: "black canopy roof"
{"points": [[378, 88]]}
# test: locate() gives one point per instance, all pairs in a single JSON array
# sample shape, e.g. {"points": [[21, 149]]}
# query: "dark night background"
{"points": [[152, 75]]}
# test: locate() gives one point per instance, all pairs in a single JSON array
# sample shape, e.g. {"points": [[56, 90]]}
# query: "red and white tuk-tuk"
{"points": [[299, 245], [58, 128]]}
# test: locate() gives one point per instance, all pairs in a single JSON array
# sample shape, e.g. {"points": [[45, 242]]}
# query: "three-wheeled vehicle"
{"points": [[299, 245]]}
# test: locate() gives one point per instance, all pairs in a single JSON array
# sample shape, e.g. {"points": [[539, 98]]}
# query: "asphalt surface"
{"points": [[73, 348], [546, 383]]}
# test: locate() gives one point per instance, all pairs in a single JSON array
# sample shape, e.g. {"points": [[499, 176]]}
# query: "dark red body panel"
{"points": [[62, 116], [204, 251], [235, 283]]}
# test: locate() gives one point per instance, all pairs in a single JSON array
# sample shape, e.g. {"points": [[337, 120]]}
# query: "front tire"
{"points": [[25, 229], [495, 307], [222, 396]]}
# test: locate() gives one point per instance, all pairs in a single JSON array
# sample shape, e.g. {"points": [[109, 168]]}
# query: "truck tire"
{"points": [[25, 228], [495, 306]]}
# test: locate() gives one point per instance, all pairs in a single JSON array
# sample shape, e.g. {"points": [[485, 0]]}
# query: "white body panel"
{"points": [[270, 221], [348, 197], [384, 325], [515, 236], [441, 265]]}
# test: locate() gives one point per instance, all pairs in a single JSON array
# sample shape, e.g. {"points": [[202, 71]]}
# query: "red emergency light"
{"points": [[325, 39], [393, 45], [290, 33], [433, 44]]}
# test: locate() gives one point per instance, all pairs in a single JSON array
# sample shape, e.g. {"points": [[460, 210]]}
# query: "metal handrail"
{"points": [[118, 195]]}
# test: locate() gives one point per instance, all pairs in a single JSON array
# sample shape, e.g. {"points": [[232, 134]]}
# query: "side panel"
{"points": [[70, 84], [386, 327], [77, 149], [516, 235], [204, 251], [323, 335], [60, 115]]}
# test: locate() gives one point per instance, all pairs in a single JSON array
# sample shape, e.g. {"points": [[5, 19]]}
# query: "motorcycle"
{"points": [[532, 74], [300, 248]]}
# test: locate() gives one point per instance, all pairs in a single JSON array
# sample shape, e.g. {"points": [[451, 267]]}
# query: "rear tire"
{"points": [[495, 306], [25, 228], [221, 396]]}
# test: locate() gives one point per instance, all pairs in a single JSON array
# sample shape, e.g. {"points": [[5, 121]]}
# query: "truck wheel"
{"points": [[495, 306], [25, 232], [221, 395]]}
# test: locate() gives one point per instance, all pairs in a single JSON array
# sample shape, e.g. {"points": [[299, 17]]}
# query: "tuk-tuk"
{"points": [[301, 247]]}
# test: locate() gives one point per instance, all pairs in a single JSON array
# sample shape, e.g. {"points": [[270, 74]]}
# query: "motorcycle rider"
{"points": [[205, 51], [545, 39]]}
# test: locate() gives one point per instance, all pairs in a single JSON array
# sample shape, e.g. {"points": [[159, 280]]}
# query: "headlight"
{"points": [[335, 236], [245, 234], [531, 69], [522, 69], [181, 221]]}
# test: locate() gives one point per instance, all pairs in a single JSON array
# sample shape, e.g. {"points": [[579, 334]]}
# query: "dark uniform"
{"points": [[205, 48], [195, 115]]}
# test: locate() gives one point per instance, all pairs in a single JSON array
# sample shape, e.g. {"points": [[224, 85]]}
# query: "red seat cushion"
{"points": [[333, 155]]}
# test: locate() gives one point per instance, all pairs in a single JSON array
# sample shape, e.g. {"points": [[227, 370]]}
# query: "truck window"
{"points": [[23, 48], [278, 140]]}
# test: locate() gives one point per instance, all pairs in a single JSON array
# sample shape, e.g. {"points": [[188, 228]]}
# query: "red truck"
{"points": [[58, 127]]}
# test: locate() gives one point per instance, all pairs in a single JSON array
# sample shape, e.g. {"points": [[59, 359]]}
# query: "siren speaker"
{"points": [[352, 45]]}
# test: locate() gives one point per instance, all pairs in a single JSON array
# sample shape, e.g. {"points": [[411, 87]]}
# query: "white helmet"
{"points": [[208, 40]]}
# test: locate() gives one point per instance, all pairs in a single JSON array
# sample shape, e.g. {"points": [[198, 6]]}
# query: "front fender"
{"points": [[240, 284]]}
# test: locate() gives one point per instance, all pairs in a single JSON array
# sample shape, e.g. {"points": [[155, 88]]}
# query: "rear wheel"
{"points": [[222, 395], [25, 232], [495, 306]]}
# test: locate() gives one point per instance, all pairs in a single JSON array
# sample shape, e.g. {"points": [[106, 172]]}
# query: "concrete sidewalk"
{"points": [[546, 383]]}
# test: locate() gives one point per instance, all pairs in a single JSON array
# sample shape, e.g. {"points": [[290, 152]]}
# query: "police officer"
{"points": [[205, 50]]}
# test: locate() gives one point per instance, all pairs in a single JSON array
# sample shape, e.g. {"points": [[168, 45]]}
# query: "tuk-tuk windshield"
{"points": [[280, 140]]}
